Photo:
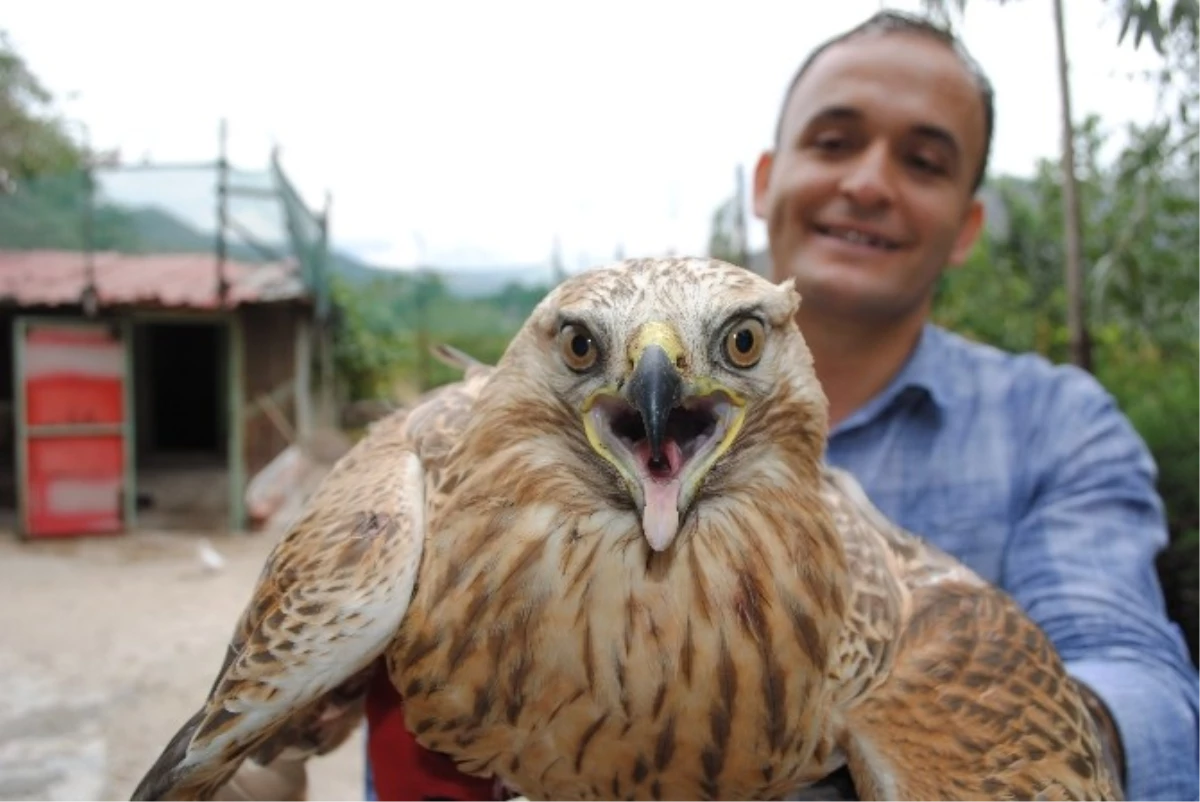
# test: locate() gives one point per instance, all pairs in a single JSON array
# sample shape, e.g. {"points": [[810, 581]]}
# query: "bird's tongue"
{"points": [[660, 488]]}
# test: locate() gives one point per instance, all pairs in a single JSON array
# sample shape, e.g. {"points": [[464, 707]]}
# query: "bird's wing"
{"points": [[329, 599], [974, 703], [978, 706]]}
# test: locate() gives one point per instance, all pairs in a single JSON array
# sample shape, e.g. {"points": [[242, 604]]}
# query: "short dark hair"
{"points": [[901, 22]]}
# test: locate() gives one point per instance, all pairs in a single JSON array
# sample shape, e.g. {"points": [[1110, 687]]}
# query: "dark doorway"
{"points": [[183, 366], [181, 392]]}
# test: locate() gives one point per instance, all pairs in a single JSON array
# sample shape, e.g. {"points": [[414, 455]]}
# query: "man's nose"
{"points": [[868, 181]]}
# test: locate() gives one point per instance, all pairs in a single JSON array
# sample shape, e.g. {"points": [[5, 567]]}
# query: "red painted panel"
{"points": [[75, 485], [73, 375]]}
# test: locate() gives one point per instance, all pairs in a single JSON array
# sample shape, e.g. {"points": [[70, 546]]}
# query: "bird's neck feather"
{"points": [[536, 594]]}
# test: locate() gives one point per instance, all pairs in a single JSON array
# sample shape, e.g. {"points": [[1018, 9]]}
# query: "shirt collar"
{"points": [[925, 372]]}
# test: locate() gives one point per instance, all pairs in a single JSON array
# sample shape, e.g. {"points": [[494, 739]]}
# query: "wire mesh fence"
{"points": [[247, 216]]}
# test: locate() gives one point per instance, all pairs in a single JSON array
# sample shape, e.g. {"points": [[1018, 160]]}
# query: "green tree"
{"points": [[45, 185], [1173, 36], [34, 138], [386, 327], [727, 239], [722, 240]]}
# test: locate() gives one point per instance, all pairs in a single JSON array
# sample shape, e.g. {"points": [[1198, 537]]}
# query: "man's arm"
{"points": [[1081, 561]]}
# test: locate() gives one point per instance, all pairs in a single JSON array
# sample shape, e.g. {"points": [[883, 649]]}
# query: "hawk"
{"points": [[614, 565]]}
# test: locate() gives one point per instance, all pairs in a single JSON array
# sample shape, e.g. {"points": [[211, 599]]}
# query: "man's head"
{"points": [[882, 141]]}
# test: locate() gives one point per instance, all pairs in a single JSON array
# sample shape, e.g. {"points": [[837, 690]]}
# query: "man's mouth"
{"points": [[667, 475], [857, 237]]}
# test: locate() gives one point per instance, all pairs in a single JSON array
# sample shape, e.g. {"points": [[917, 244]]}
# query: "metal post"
{"points": [[422, 275], [129, 424], [222, 208], [321, 279], [236, 365], [1072, 218], [303, 386], [742, 247], [90, 297], [423, 377], [324, 327]]}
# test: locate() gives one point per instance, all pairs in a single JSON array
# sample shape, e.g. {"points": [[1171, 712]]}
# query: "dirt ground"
{"points": [[108, 646]]}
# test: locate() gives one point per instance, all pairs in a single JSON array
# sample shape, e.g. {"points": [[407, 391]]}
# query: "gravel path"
{"points": [[108, 645]]}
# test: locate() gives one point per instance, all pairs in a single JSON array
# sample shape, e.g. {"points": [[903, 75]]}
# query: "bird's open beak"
{"points": [[663, 430]]}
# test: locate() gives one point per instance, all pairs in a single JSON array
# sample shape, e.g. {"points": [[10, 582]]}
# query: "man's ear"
{"points": [[968, 233], [762, 180]]}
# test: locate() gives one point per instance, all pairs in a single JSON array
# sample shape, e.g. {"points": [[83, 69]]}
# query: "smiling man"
{"points": [[1024, 470], [870, 193]]}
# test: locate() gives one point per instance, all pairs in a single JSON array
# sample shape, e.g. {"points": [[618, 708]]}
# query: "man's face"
{"points": [[870, 193]]}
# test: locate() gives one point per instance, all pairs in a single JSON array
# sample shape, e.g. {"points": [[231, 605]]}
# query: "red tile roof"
{"points": [[174, 280]]}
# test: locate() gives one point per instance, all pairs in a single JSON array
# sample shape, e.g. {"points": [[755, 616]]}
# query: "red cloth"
{"points": [[401, 767]]}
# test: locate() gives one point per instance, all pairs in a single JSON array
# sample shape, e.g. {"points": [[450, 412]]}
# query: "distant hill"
{"points": [[46, 214], [158, 230], [475, 282]]}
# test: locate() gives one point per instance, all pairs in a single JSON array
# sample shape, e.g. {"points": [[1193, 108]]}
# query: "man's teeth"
{"points": [[858, 238]]}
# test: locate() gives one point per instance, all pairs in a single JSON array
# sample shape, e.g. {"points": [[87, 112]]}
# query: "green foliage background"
{"points": [[376, 350]]}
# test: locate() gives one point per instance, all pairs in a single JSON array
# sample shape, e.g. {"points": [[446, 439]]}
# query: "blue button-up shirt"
{"points": [[1029, 473]]}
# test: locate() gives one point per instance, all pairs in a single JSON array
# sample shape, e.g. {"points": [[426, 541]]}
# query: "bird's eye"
{"points": [[744, 343], [578, 347]]}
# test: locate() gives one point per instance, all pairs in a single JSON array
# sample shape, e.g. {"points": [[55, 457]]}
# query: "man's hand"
{"points": [[281, 779]]}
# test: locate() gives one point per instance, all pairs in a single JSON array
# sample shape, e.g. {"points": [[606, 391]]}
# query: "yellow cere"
{"points": [[656, 333]]}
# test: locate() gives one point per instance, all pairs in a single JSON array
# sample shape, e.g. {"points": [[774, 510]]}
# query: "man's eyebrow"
{"points": [[825, 115], [938, 134], [833, 114]]}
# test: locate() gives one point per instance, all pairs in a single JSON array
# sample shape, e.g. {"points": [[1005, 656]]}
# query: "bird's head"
{"points": [[671, 367]]}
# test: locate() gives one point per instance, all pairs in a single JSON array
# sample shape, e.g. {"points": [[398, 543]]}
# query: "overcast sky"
{"points": [[469, 133]]}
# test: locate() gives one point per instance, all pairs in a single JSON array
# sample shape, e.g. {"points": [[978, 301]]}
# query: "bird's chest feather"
{"points": [[571, 664]]}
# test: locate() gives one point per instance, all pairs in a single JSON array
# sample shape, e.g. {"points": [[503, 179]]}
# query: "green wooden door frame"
{"points": [[20, 325], [235, 350]]}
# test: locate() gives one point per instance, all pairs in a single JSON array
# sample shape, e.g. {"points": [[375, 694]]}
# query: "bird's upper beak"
{"points": [[655, 386]]}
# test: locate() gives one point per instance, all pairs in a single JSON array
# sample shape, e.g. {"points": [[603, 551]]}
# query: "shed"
{"points": [[135, 393]]}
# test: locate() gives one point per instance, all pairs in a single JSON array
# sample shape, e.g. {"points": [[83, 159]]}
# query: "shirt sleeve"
{"points": [[1081, 562]]}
